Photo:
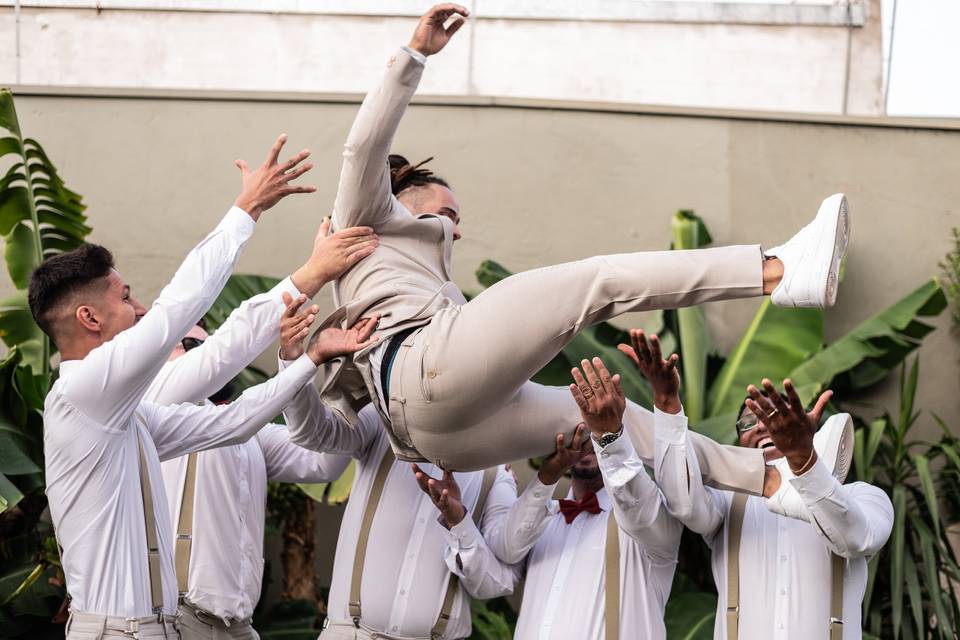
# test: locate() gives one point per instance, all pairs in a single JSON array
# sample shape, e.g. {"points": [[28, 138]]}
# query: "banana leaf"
{"points": [[39, 217], [868, 353], [689, 232], [776, 342], [690, 616]]}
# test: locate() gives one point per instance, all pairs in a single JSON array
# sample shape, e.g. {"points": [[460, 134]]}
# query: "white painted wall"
{"points": [[771, 55]]}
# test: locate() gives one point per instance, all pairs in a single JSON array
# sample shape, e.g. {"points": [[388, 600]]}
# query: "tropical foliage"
{"points": [[39, 217], [778, 343], [912, 591], [950, 276]]}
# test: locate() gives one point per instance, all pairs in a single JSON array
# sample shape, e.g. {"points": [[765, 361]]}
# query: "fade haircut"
{"points": [[59, 277], [404, 175]]}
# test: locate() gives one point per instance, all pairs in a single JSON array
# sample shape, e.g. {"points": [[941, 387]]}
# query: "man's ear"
{"points": [[88, 318]]}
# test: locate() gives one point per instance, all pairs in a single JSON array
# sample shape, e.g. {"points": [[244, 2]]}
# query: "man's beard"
{"points": [[585, 473]]}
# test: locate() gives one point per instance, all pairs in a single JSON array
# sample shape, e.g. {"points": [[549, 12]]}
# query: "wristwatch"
{"points": [[607, 438]]}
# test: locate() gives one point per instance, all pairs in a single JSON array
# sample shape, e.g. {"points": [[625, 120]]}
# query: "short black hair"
{"points": [[58, 277], [404, 175]]}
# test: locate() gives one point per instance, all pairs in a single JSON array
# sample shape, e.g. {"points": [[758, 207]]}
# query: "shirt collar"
{"points": [[603, 497]]}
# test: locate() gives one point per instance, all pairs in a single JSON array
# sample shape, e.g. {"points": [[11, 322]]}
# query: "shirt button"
{"points": [[422, 520], [396, 628], [402, 592], [783, 592], [783, 558], [431, 374]]}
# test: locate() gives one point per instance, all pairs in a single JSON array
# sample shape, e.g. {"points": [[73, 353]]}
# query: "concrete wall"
{"points": [[537, 186], [813, 55]]}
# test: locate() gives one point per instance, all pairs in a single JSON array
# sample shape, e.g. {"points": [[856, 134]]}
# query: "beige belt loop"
{"points": [[184, 541], [440, 626], [734, 529], [364, 538], [150, 524], [837, 566], [611, 580]]}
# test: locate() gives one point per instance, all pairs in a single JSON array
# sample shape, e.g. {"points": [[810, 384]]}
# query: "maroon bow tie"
{"points": [[572, 508]]}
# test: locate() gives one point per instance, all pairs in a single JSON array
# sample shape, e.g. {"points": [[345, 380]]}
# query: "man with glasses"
{"points": [[777, 577]]}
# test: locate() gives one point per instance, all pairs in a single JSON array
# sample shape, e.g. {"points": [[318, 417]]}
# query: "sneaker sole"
{"points": [[835, 444], [833, 214]]}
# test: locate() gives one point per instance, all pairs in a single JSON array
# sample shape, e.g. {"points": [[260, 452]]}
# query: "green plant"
{"points": [[39, 217], [778, 343], [913, 581], [950, 275]]}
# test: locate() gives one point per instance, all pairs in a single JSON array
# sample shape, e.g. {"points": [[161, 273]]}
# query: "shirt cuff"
{"points": [[301, 369], [283, 364], [618, 461], [816, 484], [670, 428], [413, 53], [463, 535], [237, 223]]}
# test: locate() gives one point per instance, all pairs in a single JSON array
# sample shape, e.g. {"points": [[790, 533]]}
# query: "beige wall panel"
{"points": [[537, 186]]}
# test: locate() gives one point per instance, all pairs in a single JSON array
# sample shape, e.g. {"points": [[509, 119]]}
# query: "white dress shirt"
{"points": [[410, 555], [226, 559], [92, 417], [784, 563], [563, 596]]}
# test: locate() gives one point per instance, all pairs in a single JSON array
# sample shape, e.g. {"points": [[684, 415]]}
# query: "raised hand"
{"points": [[599, 396], [333, 342], [791, 428], [270, 182], [445, 494], [333, 254], [662, 374], [295, 326], [430, 35], [562, 460]]}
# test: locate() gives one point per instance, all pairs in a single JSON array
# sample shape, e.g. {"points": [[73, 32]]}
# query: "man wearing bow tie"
{"points": [[598, 566]]}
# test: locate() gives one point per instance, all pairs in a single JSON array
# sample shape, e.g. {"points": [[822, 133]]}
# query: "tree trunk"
{"points": [[299, 554]]}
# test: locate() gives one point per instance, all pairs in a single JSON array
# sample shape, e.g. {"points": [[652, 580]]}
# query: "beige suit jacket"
{"points": [[408, 278]]}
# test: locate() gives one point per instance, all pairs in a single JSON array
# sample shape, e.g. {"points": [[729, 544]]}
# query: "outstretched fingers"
{"points": [[275, 149]]}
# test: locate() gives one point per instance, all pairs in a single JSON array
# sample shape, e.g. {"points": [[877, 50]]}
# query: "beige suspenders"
{"points": [[611, 580], [837, 565], [734, 529], [150, 524], [184, 540], [379, 480]]}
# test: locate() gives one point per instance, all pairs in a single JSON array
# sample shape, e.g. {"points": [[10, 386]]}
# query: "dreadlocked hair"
{"points": [[404, 175]]}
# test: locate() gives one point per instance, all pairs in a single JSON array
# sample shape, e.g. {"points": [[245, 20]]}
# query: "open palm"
{"points": [[333, 342]]}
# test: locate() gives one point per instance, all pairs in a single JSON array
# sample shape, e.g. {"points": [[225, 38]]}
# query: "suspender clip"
{"points": [[836, 621], [356, 621]]}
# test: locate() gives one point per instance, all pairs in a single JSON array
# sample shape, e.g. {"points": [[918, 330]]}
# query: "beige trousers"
{"points": [[199, 625], [90, 626], [347, 631], [460, 390]]}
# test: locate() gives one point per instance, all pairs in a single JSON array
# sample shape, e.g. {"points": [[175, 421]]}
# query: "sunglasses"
{"points": [[189, 343], [746, 423]]}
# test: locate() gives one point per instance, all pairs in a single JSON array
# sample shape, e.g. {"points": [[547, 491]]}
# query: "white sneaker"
{"points": [[811, 258], [834, 446]]}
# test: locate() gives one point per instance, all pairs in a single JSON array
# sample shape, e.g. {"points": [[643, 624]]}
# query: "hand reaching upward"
{"points": [[270, 182], [294, 326], [661, 373], [332, 255], [431, 35], [445, 495], [333, 342]]}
